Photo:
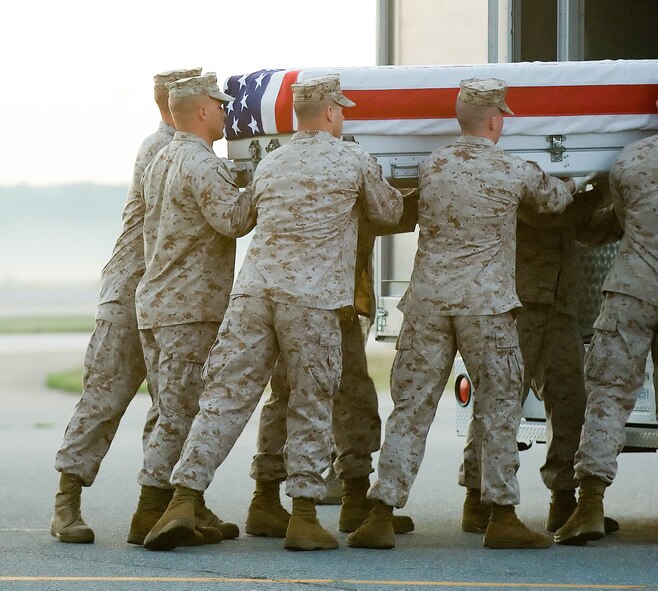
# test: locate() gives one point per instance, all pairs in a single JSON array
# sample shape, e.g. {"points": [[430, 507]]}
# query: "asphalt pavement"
{"points": [[438, 555]]}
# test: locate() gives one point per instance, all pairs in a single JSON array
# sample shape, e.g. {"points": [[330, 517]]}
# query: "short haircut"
{"points": [[311, 109], [473, 117]]}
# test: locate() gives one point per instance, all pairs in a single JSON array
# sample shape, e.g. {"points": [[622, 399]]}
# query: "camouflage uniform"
{"points": [[461, 297], [297, 275], [549, 333], [114, 364], [194, 212], [627, 327], [355, 420]]}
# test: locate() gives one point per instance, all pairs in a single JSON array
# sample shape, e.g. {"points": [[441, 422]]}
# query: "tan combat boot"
{"points": [[176, 527], [475, 514], [563, 504], [150, 507], [356, 506], [266, 516], [377, 530], [206, 521], [304, 530], [587, 521], [506, 530], [67, 524]]}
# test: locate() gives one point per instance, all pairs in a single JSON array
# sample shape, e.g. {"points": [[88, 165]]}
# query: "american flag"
{"points": [[546, 97], [257, 98]]}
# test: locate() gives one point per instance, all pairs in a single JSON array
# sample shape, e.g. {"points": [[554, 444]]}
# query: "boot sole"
{"points": [[401, 525], [262, 532], [171, 536], [472, 528], [580, 539], [373, 544], [302, 544], [74, 539], [203, 536], [511, 544]]}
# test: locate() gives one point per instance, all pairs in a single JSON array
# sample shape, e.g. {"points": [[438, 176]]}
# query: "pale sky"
{"points": [[77, 94]]}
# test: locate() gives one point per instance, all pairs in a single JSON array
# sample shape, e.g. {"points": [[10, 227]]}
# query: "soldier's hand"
{"points": [[580, 182]]}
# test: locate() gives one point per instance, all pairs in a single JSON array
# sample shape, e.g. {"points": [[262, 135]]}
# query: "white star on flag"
{"points": [[253, 126]]}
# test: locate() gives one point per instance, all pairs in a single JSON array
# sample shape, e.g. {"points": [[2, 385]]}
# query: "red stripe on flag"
{"points": [[283, 105], [525, 101]]}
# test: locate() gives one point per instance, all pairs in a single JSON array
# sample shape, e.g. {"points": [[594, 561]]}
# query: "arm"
{"points": [[408, 220], [382, 203], [228, 210], [544, 193]]}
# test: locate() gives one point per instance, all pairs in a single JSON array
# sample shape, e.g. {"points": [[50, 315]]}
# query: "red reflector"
{"points": [[463, 390]]}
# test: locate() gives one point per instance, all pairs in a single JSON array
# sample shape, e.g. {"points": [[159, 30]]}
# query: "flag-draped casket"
{"points": [[570, 117]]}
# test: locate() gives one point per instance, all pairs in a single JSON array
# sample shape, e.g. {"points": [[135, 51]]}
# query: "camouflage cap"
{"points": [[163, 78], [488, 92], [198, 86], [321, 89]]}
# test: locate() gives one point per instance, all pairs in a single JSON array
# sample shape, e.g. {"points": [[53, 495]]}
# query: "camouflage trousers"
{"points": [[356, 423], [113, 371], [626, 331], [255, 331], [174, 359], [552, 350], [426, 350]]}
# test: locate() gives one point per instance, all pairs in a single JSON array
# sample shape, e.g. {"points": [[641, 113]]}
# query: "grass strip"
{"points": [[46, 324]]}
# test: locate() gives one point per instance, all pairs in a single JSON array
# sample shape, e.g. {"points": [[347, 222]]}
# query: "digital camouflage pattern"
{"points": [[253, 334], [552, 352], [625, 333], [114, 365], [320, 89], [489, 92], [298, 273], [470, 193], [461, 296], [174, 358], [356, 425], [163, 79], [304, 246], [549, 333], [634, 192], [123, 272], [627, 327], [194, 212], [205, 85], [426, 349], [113, 371]]}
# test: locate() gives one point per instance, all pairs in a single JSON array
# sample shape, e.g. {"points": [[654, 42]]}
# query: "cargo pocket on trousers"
{"points": [[509, 355], [330, 342], [405, 340]]}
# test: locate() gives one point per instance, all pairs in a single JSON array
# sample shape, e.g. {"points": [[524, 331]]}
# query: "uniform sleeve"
{"points": [[577, 212], [382, 203], [544, 193], [227, 209], [616, 192]]}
